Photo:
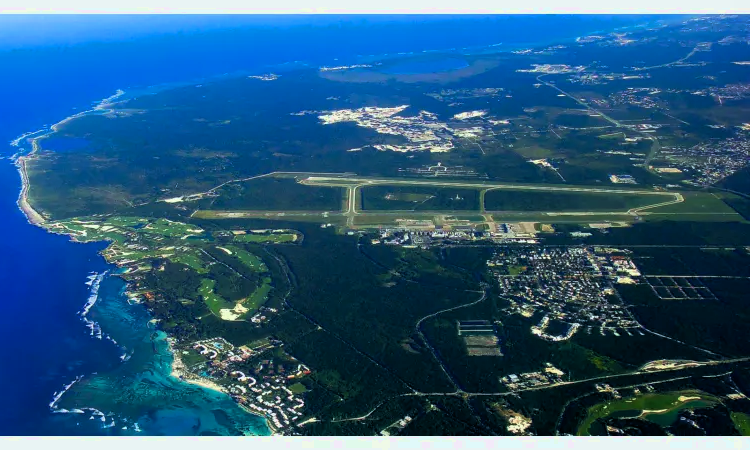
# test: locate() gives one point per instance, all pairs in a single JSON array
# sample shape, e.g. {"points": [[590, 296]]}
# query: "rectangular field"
{"points": [[519, 200], [419, 198], [277, 194]]}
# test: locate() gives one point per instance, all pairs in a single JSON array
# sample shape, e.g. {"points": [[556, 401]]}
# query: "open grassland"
{"points": [[698, 203], [277, 193], [419, 198], [503, 200]]}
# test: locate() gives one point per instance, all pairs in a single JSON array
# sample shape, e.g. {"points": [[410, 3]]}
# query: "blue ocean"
{"points": [[78, 359]]}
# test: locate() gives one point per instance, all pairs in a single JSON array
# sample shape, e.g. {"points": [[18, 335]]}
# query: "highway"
{"points": [[655, 146], [580, 102]]}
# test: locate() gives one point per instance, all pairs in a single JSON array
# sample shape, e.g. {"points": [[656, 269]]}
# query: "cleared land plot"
{"points": [[519, 200], [419, 198], [277, 194]]}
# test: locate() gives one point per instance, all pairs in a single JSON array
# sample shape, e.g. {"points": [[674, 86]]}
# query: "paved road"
{"points": [[580, 102], [655, 146], [418, 328]]}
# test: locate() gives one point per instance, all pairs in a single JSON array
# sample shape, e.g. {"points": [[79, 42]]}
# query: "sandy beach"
{"points": [[23, 203], [179, 371]]}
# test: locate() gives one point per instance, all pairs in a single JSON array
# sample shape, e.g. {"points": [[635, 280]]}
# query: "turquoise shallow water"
{"points": [[141, 390], [43, 275]]}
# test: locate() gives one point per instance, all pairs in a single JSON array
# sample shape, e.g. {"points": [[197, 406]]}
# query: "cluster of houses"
{"points": [[569, 284], [224, 353], [711, 160], [273, 399], [264, 389], [541, 331]]}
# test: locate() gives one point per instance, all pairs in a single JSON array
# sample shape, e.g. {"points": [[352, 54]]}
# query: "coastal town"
{"points": [[260, 377]]}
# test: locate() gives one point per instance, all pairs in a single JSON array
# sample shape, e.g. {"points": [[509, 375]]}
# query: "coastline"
{"points": [[32, 215], [37, 218], [180, 372]]}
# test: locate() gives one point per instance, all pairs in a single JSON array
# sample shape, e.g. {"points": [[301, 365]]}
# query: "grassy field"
{"points": [[171, 229], [698, 203], [191, 260], [258, 297], [247, 259], [215, 303], [119, 221], [742, 422], [278, 193], [469, 218], [506, 200], [419, 198], [298, 388], [661, 409]]}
